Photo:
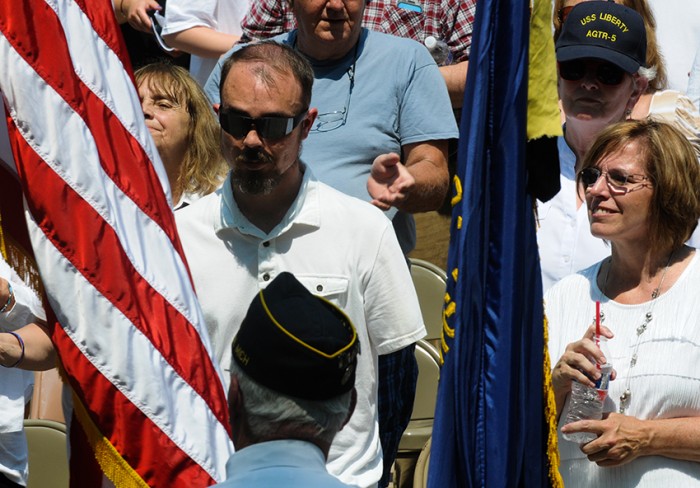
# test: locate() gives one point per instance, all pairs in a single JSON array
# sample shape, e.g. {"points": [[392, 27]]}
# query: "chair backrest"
{"points": [[46, 400], [48, 454], [428, 376], [430, 282], [420, 475], [420, 426]]}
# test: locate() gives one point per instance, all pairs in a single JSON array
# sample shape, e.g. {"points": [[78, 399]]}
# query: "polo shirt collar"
{"points": [[305, 210]]}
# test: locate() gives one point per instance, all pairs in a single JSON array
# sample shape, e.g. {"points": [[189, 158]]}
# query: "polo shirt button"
{"points": [[266, 277], [266, 244], [319, 287]]}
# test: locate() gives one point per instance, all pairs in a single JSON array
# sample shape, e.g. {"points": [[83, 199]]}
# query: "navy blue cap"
{"points": [[604, 30], [296, 343]]}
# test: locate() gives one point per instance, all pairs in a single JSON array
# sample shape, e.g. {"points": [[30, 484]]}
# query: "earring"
{"points": [[628, 113]]}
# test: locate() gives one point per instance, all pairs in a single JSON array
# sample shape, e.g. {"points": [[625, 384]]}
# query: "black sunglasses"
{"points": [[239, 125], [606, 73]]}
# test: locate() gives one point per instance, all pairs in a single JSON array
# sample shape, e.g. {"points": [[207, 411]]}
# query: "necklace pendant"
{"points": [[633, 361], [655, 294], [624, 400], [641, 329]]}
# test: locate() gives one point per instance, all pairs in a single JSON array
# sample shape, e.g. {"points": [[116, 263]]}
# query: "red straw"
{"points": [[597, 323]]}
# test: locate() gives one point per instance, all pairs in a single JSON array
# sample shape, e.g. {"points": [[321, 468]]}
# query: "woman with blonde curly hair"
{"points": [[184, 128]]}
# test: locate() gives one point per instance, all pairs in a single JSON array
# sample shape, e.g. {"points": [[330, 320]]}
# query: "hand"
{"points": [[389, 182], [575, 364], [621, 439], [136, 12]]}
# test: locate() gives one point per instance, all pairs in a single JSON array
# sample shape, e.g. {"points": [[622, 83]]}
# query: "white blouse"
{"points": [[665, 382]]}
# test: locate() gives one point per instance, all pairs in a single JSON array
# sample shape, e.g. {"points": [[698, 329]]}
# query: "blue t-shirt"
{"points": [[398, 97]]}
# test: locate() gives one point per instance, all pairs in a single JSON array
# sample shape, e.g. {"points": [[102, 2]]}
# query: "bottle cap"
{"points": [[430, 42]]}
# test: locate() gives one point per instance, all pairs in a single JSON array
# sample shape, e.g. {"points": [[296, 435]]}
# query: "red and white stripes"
{"points": [[103, 233]]}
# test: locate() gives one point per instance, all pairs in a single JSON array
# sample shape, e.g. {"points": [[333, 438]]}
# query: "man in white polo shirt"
{"points": [[272, 215]]}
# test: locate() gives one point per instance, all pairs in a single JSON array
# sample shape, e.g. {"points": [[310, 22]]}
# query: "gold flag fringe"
{"points": [[113, 465], [550, 412], [22, 261]]}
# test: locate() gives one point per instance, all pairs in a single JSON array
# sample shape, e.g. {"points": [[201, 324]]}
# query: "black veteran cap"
{"points": [[296, 343], [604, 30]]}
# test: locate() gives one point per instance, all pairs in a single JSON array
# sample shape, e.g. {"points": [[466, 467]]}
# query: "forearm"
{"points": [[677, 438], [455, 76], [39, 353], [201, 41], [427, 163]]}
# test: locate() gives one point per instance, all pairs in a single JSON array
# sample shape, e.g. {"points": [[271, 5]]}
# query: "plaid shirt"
{"points": [[447, 20]]}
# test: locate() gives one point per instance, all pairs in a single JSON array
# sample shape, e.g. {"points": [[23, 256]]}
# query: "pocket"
{"points": [[333, 288], [409, 22]]}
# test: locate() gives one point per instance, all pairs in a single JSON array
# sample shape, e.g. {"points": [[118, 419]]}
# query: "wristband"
{"points": [[21, 345], [9, 298]]}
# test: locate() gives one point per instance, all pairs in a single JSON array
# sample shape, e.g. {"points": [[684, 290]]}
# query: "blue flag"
{"points": [[489, 422]]}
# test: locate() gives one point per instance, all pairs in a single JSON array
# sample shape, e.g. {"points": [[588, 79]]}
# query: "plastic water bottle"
{"points": [[587, 403], [439, 50]]}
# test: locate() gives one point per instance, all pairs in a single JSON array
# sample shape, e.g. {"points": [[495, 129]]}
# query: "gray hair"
{"points": [[270, 413], [647, 73]]}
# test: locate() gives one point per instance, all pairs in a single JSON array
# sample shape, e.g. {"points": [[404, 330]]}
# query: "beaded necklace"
{"points": [[626, 396]]}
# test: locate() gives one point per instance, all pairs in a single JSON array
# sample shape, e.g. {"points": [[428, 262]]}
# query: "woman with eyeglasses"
{"points": [[641, 185], [184, 129]]}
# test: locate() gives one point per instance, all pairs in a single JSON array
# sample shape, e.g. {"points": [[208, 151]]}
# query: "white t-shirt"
{"points": [[223, 16], [338, 247], [16, 384], [665, 382]]}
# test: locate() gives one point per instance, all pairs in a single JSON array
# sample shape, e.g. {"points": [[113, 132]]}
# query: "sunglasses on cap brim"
{"points": [[605, 72], [239, 125]]}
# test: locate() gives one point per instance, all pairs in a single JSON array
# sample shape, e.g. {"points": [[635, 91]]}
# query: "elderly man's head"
{"points": [[328, 29], [293, 367], [601, 54], [264, 114]]}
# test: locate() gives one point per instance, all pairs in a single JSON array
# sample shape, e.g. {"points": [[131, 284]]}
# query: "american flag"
{"points": [[147, 397]]}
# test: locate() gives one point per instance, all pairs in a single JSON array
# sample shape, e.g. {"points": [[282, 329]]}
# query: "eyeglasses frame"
{"points": [[318, 125], [613, 187]]}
